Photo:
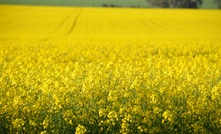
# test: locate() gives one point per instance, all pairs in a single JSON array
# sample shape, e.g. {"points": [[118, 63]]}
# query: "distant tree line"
{"points": [[114, 5], [110, 5], [176, 3], [218, 2], [171, 4]]}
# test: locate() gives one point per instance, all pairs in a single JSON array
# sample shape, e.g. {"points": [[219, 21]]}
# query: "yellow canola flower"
{"points": [[44, 132], [45, 123], [112, 114], [157, 110], [33, 123], [167, 115], [102, 112], [18, 123], [80, 129]]}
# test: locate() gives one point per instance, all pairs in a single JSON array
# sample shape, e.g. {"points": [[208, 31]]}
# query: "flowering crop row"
{"points": [[111, 88]]}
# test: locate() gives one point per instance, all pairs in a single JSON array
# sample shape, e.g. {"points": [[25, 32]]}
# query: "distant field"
{"points": [[68, 70], [125, 3], [97, 22]]}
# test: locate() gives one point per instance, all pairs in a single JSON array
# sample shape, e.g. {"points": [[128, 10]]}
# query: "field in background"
{"points": [[94, 70], [57, 22]]}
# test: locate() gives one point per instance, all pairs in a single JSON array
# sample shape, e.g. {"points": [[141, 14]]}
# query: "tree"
{"points": [[218, 2], [159, 3], [176, 3]]}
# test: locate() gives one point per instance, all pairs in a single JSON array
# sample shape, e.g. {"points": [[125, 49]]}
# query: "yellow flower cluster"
{"points": [[123, 83], [116, 88]]}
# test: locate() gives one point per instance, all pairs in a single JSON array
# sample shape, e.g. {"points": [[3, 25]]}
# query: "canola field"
{"points": [[92, 70]]}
